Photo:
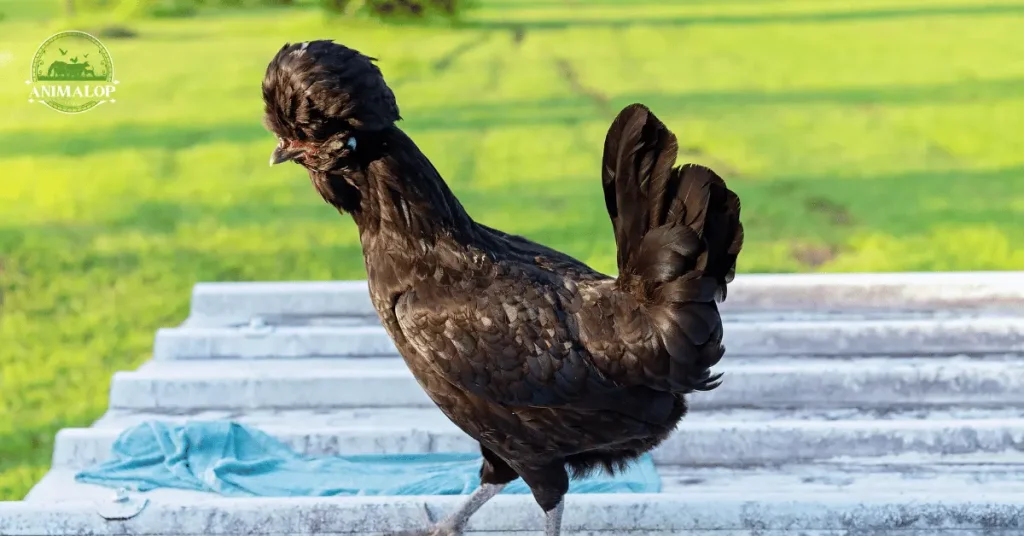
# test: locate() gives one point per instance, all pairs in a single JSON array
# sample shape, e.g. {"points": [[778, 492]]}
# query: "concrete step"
{"points": [[272, 342], [185, 386], [1002, 473], [933, 495], [945, 336], [218, 303], [727, 437]]}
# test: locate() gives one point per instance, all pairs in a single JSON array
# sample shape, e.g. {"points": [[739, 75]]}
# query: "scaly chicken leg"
{"points": [[454, 524], [495, 474], [553, 520]]}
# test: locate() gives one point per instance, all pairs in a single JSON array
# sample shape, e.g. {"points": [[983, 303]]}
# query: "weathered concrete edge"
{"points": [[892, 514], [752, 382], [240, 301], [876, 290], [814, 338], [697, 442]]}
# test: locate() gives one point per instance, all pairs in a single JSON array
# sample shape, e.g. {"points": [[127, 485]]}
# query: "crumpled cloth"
{"points": [[236, 460]]}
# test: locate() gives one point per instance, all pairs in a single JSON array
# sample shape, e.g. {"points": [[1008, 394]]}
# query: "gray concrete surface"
{"points": [[982, 473], [833, 500], [729, 438], [238, 302], [386, 382], [853, 404], [946, 336]]}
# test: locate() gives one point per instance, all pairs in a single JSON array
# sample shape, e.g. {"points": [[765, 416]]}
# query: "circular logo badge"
{"points": [[72, 72]]}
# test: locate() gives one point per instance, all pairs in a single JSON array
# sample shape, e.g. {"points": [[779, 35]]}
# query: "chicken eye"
{"points": [[351, 143]]}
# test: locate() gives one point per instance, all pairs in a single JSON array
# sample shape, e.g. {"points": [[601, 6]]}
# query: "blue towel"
{"points": [[239, 461]]}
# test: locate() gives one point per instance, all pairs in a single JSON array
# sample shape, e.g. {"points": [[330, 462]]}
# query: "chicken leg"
{"points": [[549, 482], [495, 474], [456, 521], [553, 520], [454, 524]]}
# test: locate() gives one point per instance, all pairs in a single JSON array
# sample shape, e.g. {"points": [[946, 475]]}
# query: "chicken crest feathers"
{"points": [[314, 89]]}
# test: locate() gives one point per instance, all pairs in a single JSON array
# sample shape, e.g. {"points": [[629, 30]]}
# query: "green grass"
{"points": [[860, 134]]}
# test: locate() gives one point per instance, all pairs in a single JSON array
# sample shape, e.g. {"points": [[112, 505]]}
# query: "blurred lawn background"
{"points": [[881, 135]]}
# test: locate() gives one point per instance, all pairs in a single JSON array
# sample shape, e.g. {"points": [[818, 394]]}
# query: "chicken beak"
{"points": [[283, 154]]}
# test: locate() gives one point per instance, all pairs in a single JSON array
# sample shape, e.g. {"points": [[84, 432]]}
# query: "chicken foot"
{"points": [[456, 521]]}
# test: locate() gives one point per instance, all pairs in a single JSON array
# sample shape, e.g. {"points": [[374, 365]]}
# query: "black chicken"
{"points": [[553, 367]]}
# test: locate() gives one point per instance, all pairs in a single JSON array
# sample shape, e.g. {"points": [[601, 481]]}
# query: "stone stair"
{"points": [[851, 404]]}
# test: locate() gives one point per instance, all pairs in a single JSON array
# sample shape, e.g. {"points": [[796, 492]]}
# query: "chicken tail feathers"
{"points": [[678, 235]]}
